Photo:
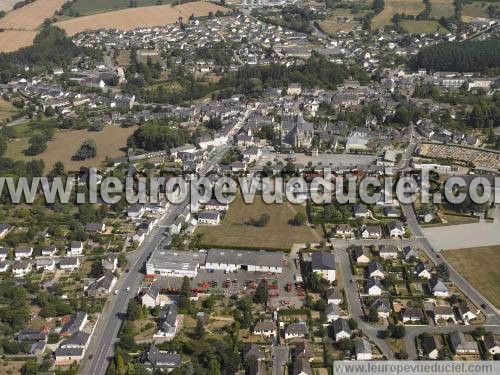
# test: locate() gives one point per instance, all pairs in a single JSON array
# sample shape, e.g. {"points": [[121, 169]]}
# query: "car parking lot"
{"points": [[242, 282]]}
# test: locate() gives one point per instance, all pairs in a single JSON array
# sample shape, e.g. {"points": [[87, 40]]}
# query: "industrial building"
{"points": [[254, 261], [175, 263]]}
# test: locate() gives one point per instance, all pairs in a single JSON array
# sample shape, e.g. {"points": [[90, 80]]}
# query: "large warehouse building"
{"points": [[187, 263], [254, 261], [175, 263]]}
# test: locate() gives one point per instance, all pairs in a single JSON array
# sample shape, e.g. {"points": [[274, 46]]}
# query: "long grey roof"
{"points": [[323, 260], [245, 257]]}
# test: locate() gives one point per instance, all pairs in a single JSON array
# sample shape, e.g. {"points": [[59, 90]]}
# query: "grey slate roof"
{"points": [[323, 260]]}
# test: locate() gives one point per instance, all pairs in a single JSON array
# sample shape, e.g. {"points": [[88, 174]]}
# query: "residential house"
{"points": [[45, 264], [169, 322], [382, 306], [390, 211], [388, 252], [75, 249], [371, 231], [49, 251], [341, 329], [344, 231], [23, 252], [323, 262], [4, 230], [156, 359], [363, 349], [252, 352], [151, 298], [68, 356], [110, 262], [396, 229], [360, 254], [37, 340], [135, 211], [4, 253], [74, 324], [294, 89], [103, 285], [304, 349], [333, 295], [215, 205], [209, 217], [21, 268], [412, 314], [360, 211], [95, 227], [294, 330], [465, 312], [332, 312], [492, 343], [4, 266], [265, 328], [460, 345], [69, 264], [422, 271], [438, 288], [374, 287], [409, 253], [444, 313], [431, 346], [375, 269]]}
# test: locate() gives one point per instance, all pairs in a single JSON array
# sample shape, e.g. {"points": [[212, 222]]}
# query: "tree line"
{"points": [[469, 56]]}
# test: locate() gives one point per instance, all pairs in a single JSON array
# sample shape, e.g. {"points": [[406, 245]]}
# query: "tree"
{"points": [[199, 330], [353, 323], [299, 219], [261, 293], [87, 150], [373, 315], [396, 331], [185, 293]]}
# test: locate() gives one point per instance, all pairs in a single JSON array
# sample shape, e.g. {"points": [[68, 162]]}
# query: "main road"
{"points": [[101, 347]]}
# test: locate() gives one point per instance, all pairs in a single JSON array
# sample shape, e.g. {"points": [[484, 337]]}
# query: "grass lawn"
{"points": [[109, 142], [277, 234], [479, 266], [392, 7], [442, 8], [88, 7], [423, 27], [7, 110]]}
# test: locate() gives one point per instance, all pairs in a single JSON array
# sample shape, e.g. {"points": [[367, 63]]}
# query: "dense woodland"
{"points": [[469, 56]]}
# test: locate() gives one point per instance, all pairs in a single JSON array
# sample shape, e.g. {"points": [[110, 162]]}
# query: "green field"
{"points": [[277, 234], [442, 8], [89, 7], [479, 266], [7, 110], [413, 7], [422, 27]]}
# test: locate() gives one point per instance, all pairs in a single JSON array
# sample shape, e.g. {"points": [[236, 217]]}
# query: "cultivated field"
{"points": [[12, 40], [442, 8], [88, 7], [334, 23], [480, 267], [392, 7], [109, 142], [422, 27], [277, 234], [129, 19], [30, 16], [473, 11]]}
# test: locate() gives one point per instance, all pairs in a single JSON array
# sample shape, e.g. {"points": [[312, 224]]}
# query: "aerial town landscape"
{"points": [[234, 90]]}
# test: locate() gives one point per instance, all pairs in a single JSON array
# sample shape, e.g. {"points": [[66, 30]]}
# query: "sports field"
{"points": [[392, 7], [132, 18], [479, 266], [109, 142], [277, 234]]}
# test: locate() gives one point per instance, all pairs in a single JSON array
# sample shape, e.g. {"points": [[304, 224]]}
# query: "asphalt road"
{"points": [[105, 336]]}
